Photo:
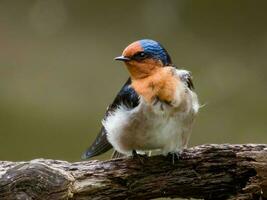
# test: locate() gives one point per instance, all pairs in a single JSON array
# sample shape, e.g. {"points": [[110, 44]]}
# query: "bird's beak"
{"points": [[122, 58]]}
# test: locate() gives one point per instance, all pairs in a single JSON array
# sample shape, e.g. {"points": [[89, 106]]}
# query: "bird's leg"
{"points": [[134, 154], [140, 157], [175, 155]]}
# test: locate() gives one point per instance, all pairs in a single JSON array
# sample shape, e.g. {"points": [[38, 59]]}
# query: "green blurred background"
{"points": [[57, 73]]}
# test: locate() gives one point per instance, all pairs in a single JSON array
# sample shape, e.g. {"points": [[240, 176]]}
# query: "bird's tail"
{"points": [[99, 146], [90, 152], [116, 154]]}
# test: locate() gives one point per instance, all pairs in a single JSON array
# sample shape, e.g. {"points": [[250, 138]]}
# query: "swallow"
{"points": [[154, 110]]}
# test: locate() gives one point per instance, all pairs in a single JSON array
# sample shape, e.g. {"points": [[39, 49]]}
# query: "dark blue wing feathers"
{"points": [[127, 97]]}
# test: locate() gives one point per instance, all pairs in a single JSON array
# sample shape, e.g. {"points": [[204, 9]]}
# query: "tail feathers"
{"points": [[95, 151], [99, 146], [116, 154]]}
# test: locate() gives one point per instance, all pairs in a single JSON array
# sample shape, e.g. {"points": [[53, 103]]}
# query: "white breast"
{"points": [[150, 127]]}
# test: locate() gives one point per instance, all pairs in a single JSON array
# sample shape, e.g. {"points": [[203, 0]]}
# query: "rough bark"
{"points": [[204, 172]]}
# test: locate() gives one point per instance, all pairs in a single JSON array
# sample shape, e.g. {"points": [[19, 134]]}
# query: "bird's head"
{"points": [[143, 57]]}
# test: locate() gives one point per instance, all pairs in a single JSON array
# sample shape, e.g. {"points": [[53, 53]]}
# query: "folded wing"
{"points": [[127, 97]]}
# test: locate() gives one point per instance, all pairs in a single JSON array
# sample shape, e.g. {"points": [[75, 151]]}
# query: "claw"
{"points": [[175, 156], [141, 157]]}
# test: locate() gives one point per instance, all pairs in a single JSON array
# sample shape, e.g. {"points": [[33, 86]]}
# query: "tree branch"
{"points": [[206, 171]]}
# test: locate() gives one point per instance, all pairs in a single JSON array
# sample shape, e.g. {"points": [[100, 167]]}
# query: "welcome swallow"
{"points": [[154, 110]]}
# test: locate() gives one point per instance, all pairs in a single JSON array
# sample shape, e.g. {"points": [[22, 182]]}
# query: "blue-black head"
{"points": [[145, 49]]}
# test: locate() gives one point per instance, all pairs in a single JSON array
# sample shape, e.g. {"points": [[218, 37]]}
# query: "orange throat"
{"points": [[161, 84]]}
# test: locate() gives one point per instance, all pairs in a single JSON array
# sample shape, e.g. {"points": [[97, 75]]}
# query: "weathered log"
{"points": [[206, 172]]}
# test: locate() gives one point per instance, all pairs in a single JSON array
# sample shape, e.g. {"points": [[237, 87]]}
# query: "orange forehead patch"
{"points": [[132, 49]]}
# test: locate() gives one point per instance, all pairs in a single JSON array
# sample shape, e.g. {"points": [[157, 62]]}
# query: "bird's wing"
{"points": [[127, 97], [186, 77]]}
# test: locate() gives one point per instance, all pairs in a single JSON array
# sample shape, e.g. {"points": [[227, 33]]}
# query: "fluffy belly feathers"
{"points": [[153, 125]]}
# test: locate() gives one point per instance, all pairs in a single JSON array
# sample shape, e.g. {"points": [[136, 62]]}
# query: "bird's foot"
{"points": [[175, 156], [141, 157]]}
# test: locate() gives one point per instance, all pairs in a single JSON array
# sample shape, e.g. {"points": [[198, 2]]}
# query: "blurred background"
{"points": [[57, 73]]}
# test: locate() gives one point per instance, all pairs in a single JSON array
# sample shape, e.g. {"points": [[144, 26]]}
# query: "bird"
{"points": [[154, 110]]}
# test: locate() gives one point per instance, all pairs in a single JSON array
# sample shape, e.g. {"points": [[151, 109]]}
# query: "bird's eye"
{"points": [[140, 56]]}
